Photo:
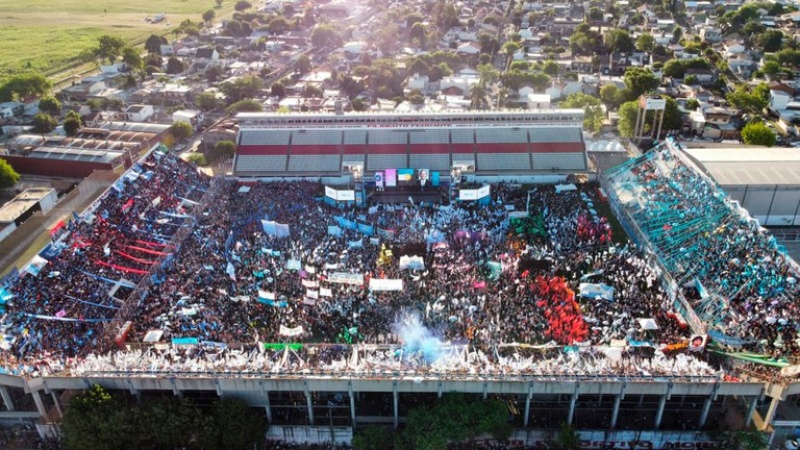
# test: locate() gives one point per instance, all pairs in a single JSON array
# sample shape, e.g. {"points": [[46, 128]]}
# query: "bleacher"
{"points": [[324, 141], [380, 162], [355, 142], [387, 141], [254, 164], [556, 139], [434, 140], [503, 161], [264, 142], [559, 161], [463, 140], [315, 163], [432, 161], [502, 140]]}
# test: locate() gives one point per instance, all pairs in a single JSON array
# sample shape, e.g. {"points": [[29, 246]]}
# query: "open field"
{"points": [[47, 36]]}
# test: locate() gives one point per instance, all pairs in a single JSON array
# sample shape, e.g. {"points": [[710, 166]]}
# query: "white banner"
{"points": [[312, 294], [378, 180], [324, 292], [412, 262], [330, 192], [346, 278], [290, 332], [381, 284], [467, 194], [483, 191], [348, 195], [310, 283], [311, 269]]}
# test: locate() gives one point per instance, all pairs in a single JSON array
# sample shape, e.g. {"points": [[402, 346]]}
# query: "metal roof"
{"points": [[753, 166]]}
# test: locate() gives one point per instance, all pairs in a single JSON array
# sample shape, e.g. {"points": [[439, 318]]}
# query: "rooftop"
{"points": [[758, 166]]}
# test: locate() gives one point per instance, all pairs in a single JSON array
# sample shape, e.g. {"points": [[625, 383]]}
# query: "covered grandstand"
{"points": [[527, 142]]}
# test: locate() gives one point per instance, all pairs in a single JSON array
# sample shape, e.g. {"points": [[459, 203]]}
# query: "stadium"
{"points": [[645, 309]]}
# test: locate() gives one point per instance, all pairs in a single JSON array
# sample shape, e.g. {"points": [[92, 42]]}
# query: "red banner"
{"points": [[121, 268], [133, 258], [147, 250], [57, 227]]}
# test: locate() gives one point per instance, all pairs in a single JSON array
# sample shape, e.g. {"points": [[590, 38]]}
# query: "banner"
{"points": [[330, 192], [35, 266], [290, 332], [323, 292], [483, 191], [275, 229], [346, 278], [366, 229], [600, 290], [379, 180], [381, 284], [265, 295], [386, 234], [293, 264], [346, 224], [333, 230], [312, 294], [412, 263], [310, 283], [231, 271], [391, 177]]}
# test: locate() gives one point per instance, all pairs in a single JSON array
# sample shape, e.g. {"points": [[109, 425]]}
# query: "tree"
{"points": [[373, 437], [246, 105], [133, 59], [50, 105], [749, 101], [44, 123], [613, 96], [242, 5], [175, 65], [645, 42], [209, 15], [595, 14], [225, 149], [72, 124], [567, 438], [206, 101], [218, 3], [477, 96], [627, 117], [248, 86], [510, 47], [237, 426], [109, 47], [24, 86], [550, 67], [592, 108], [677, 34], [756, 133], [278, 25], [154, 42], [181, 130], [8, 176], [213, 73], [770, 40], [771, 68], [326, 36], [85, 423], [640, 81], [619, 41], [304, 64], [692, 104]]}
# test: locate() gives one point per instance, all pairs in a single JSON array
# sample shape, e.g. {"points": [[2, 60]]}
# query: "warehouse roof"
{"points": [[755, 166]]}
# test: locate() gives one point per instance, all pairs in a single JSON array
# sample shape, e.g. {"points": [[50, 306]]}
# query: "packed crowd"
{"points": [[60, 303], [731, 270]]}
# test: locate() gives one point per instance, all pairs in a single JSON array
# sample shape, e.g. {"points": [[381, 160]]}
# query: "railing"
{"points": [[128, 308]]}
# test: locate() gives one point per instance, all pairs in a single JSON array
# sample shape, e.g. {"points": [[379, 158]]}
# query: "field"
{"points": [[48, 35]]}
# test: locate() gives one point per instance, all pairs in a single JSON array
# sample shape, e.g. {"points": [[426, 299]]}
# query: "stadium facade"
{"points": [[618, 411], [489, 143]]}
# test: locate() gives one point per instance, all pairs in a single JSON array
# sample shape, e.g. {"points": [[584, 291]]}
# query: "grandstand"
{"points": [[523, 142], [305, 326]]}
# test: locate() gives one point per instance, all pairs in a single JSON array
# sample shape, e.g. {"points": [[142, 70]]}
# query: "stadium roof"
{"points": [[750, 165]]}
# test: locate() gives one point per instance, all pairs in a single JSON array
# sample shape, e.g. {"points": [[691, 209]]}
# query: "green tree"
{"points": [[613, 96], [640, 81], [627, 118], [206, 101], [749, 101], [209, 15], [238, 427], [44, 123], [550, 67], [304, 64], [72, 123], [770, 40], [326, 35], [358, 105], [567, 438], [248, 86], [175, 65], [154, 42], [645, 42], [133, 59], [24, 86], [278, 90], [246, 105], [50, 105], [756, 133], [619, 41], [109, 47], [213, 73], [242, 5], [181, 130], [595, 14], [373, 437], [592, 108], [278, 25], [225, 149], [510, 47], [86, 422], [692, 104], [8, 176]]}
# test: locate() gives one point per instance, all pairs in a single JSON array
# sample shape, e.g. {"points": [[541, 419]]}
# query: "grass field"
{"points": [[48, 35]]}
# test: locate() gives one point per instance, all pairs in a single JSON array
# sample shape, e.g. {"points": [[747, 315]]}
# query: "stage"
{"points": [[429, 194]]}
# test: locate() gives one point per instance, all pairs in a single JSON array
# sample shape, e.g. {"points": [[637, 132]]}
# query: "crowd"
{"points": [[731, 270], [61, 303]]}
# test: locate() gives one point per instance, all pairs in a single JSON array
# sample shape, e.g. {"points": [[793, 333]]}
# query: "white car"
{"points": [[791, 444]]}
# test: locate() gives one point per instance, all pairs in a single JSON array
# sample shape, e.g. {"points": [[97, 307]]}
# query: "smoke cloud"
{"points": [[417, 339]]}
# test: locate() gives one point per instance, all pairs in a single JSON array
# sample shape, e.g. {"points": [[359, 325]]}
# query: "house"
{"points": [[11, 109], [206, 54], [732, 48], [778, 86], [139, 113], [469, 48], [711, 35], [418, 81], [114, 69], [167, 50], [538, 101], [461, 82], [82, 91], [190, 116], [354, 48], [778, 100], [704, 77]]}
